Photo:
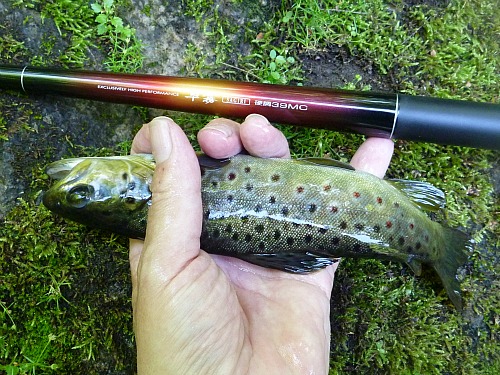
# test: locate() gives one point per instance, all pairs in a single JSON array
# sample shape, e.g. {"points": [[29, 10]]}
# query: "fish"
{"points": [[297, 216]]}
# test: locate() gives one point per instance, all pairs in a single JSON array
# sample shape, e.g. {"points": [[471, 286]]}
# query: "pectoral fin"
{"points": [[290, 262]]}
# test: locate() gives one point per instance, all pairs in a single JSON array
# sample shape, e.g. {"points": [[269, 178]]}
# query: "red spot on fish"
{"points": [[412, 226], [231, 176], [356, 194], [300, 189], [327, 187], [379, 200], [334, 209], [388, 224]]}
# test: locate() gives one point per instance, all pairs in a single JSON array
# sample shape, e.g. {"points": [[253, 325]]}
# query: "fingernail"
{"points": [[224, 130], [161, 142], [258, 120]]}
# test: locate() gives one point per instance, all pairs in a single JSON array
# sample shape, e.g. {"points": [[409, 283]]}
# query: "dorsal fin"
{"points": [[423, 194], [326, 163], [210, 163], [60, 168]]}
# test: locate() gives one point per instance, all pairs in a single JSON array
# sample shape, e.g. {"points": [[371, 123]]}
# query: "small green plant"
{"points": [[275, 67], [124, 48]]}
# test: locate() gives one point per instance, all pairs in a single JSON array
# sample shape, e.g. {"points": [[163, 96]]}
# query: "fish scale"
{"points": [[342, 214], [292, 215]]}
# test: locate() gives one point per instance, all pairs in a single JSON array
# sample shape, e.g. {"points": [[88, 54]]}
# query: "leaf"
{"points": [[102, 29], [101, 19], [280, 59], [96, 8], [117, 22], [287, 17], [108, 4]]}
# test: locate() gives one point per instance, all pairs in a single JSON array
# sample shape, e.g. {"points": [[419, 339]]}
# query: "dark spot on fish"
{"points": [[235, 237], [277, 234], [262, 245], [418, 245], [259, 228], [388, 224], [396, 204], [125, 176], [229, 228], [409, 249], [131, 185], [391, 239], [249, 187], [308, 238], [322, 230], [379, 200], [376, 228], [312, 207], [426, 238], [285, 211], [230, 198], [412, 226], [214, 183], [356, 194], [247, 169], [401, 241], [258, 207], [343, 225], [275, 177], [327, 187], [296, 225], [272, 200], [359, 226], [216, 233], [335, 241], [244, 219], [300, 189], [334, 209], [129, 200], [248, 237], [290, 241], [231, 176], [357, 247], [206, 214]]}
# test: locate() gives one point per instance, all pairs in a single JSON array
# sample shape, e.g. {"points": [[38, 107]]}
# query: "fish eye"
{"points": [[79, 195]]}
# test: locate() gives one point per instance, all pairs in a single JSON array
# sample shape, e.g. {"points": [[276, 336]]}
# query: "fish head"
{"points": [[111, 192]]}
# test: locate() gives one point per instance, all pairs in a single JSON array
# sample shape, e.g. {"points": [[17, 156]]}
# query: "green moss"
{"points": [[58, 310]]}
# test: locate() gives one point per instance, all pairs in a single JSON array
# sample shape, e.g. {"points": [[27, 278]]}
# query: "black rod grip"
{"points": [[445, 121]]}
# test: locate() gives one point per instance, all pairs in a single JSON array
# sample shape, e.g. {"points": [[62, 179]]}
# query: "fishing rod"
{"points": [[412, 118]]}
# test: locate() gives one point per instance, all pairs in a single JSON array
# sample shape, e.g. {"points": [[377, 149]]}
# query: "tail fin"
{"points": [[453, 257]]}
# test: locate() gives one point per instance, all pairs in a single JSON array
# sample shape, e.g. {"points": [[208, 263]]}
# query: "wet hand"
{"points": [[205, 314]]}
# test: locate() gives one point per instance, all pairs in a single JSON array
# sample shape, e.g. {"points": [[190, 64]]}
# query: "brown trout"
{"points": [[293, 215]]}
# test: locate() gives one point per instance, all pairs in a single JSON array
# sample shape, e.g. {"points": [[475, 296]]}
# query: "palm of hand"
{"points": [[201, 314], [249, 320]]}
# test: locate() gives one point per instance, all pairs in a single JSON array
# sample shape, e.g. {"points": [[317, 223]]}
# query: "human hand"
{"points": [[196, 313]]}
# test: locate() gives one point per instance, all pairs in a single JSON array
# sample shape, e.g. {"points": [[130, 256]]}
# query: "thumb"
{"points": [[175, 216]]}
